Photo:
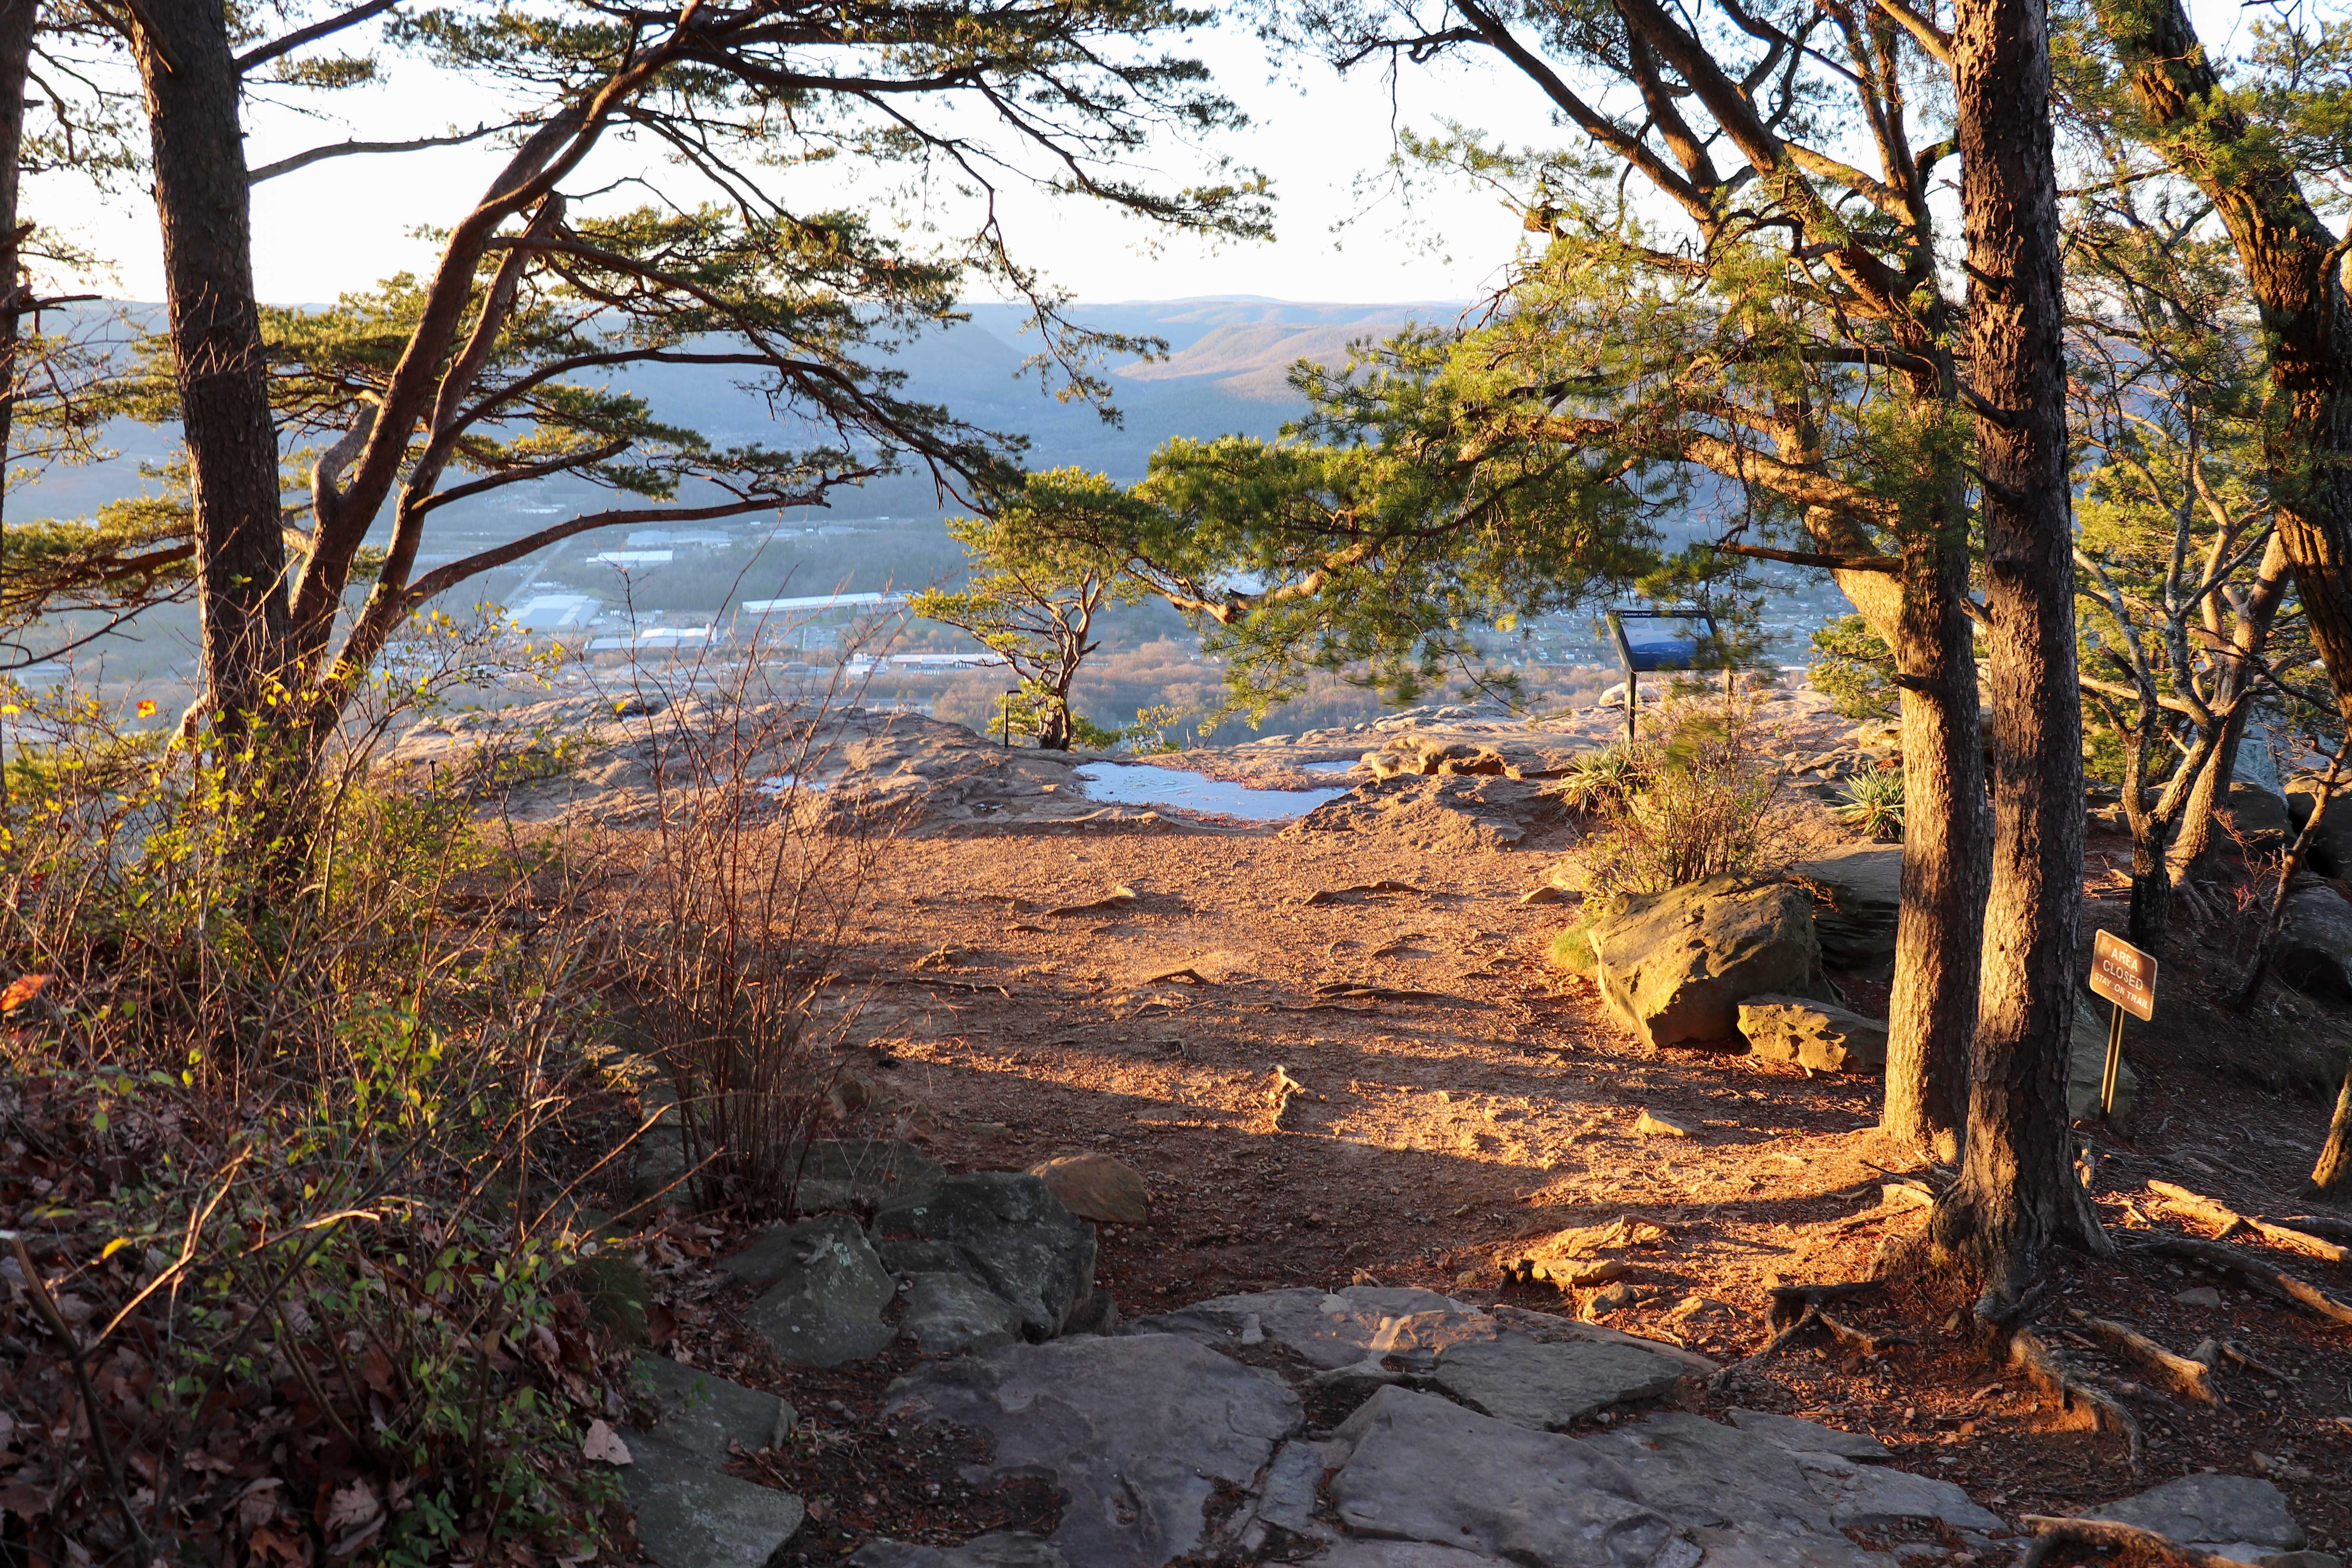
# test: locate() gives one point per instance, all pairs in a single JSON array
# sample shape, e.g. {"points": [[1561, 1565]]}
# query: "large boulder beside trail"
{"points": [[1007, 1232], [2315, 941], [1858, 894], [1814, 1035], [1675, 966], [2330, 852]]}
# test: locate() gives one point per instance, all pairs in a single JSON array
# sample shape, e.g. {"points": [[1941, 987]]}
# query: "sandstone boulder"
{"points": [[1813, 1034], [1097, 1187], [2259, 812], [1859, 894], [2315, 944], [1675, 966]]}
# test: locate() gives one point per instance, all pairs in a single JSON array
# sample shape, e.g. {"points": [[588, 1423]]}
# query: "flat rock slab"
{"points": [[1399, 1555], [1293, 1482], [1330, 1329], [1136, 1430], [1874, 1497], [2211, 1511], [1799, 1437], [1546, 1388], [1005, 1230], [948, 1314], [1009, 1549], [701, 1414], [691, 1515], [825, 1304], [1423, 1469], [1702, 1474], [1552, 1329]]}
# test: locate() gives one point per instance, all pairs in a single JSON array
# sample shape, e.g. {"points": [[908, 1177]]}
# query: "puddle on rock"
{"points": [[1131, 783]]}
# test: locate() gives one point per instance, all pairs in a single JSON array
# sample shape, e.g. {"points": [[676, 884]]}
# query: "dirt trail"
{"points": [[1458, 1095]]}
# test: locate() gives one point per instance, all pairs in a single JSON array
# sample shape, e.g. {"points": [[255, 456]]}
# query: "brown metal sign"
{"points": [[2123, 975]]}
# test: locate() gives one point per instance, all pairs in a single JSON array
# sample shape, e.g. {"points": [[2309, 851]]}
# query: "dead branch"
{"points": [[2187, 1375], [2239, 1354], [2050, 1533], [1771, 1347], [2226, 1260], [2329, 1225], [1788, 1300], [1183, 971], [1856, 1340], [2039, 1360], [2219, 1214], [1117, 899], [1333, 895], [1350, 991]]}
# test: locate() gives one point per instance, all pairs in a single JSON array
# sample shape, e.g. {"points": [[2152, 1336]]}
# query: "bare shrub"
{"points": [[741, 894], [1695, 795]]}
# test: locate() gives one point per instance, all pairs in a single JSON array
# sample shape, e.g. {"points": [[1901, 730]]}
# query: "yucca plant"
{"points": [[1873, 802]]}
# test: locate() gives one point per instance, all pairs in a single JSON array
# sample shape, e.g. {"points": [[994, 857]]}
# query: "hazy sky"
{"points": [[345, 224]]}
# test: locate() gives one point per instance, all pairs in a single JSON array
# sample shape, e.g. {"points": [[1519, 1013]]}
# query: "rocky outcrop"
{"points": [[821, 1291], [1439, 756], [1137, 1431], [690, 1512], [2259, 811], [2315, 941], [2329, 853], [1675, 966], [1004, 1231], [1858, 894], [2227, 1515], [1813, 1035], [1448, 815]]}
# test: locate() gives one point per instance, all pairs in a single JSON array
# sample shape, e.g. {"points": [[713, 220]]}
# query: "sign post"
{"points": [[2126, 977]]}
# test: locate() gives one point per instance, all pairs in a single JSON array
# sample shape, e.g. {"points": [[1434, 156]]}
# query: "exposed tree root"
{"points": [[1333, 895], [1770, 1348], [2186, 1374], [2039, 1360], [2220, 1214], [1791, 1301], [1855, 1339], [2050, 1533], [2228, 1259], [2333, 1226]]}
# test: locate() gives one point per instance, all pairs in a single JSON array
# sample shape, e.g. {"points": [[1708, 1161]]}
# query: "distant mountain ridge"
{"points": [[1229, 358]]}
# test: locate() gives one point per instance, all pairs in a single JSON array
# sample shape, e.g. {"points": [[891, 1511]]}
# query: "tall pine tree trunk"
{"points": [[2017, 1192], [202, 200], [1931, 1011]]}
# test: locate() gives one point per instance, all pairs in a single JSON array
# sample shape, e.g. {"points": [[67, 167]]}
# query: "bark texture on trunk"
{"points": [[2333, 1174], [1947, 829], [206, 214], [2306, 322], [2017, 1192], [1947, 840]]}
